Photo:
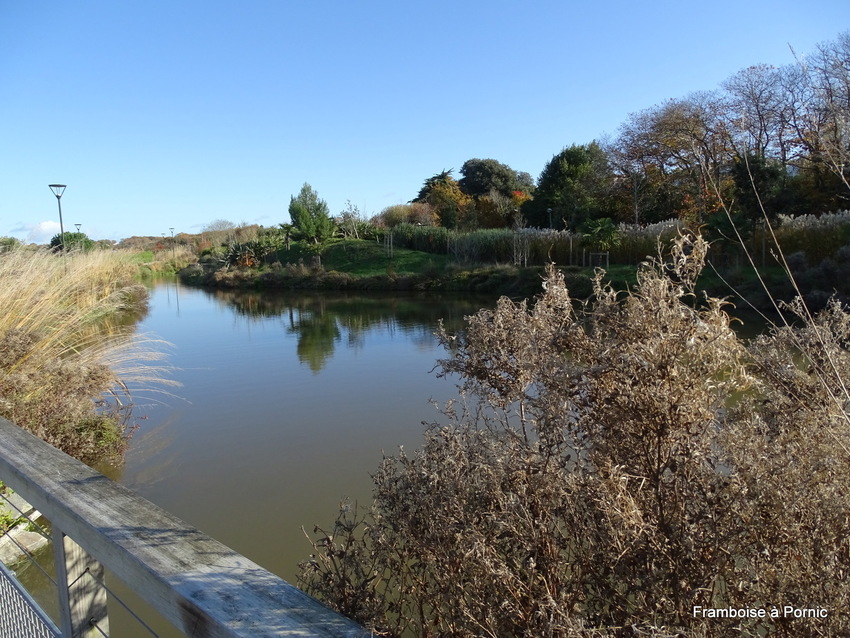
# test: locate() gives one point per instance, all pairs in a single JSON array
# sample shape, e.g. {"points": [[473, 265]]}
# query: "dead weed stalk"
{"points": [[617, 465]]}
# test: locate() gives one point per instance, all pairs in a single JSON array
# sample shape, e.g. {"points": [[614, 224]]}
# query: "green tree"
{"points": [[493, 187], [454, 208], [481, 176], [311, 215], [73, 241], [574, 185]]}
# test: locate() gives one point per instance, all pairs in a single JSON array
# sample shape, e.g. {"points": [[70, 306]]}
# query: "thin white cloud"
{"points": [[40, 233]]}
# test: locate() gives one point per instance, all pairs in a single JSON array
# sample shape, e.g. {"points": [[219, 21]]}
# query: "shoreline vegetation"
{"points": [[513, 263], [68, 307], [502, 279], [69, 357]]}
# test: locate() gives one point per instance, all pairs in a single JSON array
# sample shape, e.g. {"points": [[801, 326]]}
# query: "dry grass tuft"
{"points": [[66, 358]]}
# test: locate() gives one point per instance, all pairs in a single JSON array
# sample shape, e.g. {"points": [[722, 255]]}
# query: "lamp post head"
{"points": [[57, 189]]}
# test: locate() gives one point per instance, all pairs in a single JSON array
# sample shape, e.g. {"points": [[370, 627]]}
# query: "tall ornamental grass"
{"points": [[535, 246], [818, 236], [68, 358]]}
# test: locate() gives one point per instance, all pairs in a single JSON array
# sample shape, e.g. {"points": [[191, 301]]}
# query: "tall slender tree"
{"points": [[311, 215]]}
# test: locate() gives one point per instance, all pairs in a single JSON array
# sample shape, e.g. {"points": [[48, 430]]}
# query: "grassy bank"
{"points": [[416, 257], [65, 348], [366, 265], [151, 263]]}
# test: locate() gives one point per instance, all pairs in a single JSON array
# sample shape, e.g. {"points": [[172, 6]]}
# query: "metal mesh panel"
{"points": [[20, 615]]}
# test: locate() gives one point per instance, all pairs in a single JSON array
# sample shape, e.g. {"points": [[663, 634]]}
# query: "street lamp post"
{"points": [[58, 189], [172, 244]]}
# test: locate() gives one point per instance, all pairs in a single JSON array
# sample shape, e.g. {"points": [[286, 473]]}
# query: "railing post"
{"points": [[82, 597]]}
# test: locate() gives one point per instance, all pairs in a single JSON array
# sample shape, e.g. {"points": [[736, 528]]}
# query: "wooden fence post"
{"points": [[82, 597]]}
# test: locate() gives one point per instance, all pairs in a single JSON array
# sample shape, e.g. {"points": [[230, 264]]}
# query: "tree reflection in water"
{"points": [[320, 319]]}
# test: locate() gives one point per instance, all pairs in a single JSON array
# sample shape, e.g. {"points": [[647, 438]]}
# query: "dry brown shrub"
{"points": [[613, 465]]}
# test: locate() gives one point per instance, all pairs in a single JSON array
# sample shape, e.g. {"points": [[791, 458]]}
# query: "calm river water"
{"points": [[286, 405]]}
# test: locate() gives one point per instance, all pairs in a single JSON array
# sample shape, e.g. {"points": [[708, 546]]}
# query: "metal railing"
{"points": [[20, 615], [199, 585]]}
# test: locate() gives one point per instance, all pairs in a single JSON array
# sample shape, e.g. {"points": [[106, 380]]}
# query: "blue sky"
{"points": [[173, 114]]}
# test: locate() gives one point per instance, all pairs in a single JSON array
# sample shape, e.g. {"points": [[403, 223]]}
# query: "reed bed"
{"points": [[536, 246], [69, 358], [818, 236]]}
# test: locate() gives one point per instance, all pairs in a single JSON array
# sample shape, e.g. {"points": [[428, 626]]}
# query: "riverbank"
{"points": [[367, 266], [502, 280], [358, 265]]}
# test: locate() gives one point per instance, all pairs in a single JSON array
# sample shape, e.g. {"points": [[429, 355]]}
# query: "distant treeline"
{"points": [[769, 137]]}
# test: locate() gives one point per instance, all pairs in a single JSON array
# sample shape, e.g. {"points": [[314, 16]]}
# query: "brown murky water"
{"points": [[287, 403]]}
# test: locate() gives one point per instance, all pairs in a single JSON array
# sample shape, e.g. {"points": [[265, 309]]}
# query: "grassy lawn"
{"points": [[368, 258]]}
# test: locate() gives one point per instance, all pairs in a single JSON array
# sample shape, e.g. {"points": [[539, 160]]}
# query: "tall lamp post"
{"points": [[172, 244], [58, 189]]}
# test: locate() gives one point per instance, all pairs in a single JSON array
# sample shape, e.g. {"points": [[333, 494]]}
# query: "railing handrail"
{"points": [[200, 585]]}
